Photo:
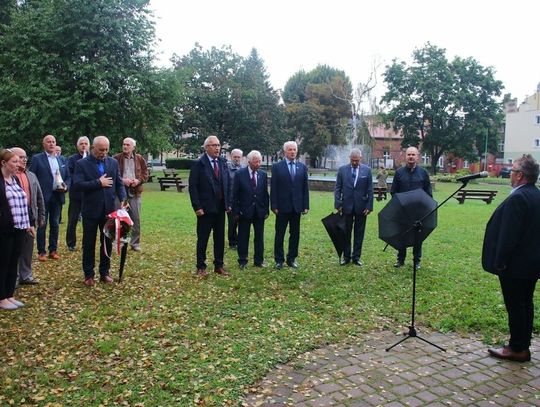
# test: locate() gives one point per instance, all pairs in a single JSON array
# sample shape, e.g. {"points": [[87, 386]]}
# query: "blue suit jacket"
{"points": [[204, 187], [285, 195], [512, 240], [247, 202], [96, 200], [40, 166], [353, 198]]}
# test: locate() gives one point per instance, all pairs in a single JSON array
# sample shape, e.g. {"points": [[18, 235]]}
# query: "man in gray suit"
{"points": [[30, 184], [353, 198]]}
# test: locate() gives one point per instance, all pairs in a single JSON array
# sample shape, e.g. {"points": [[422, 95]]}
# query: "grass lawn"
{"points": [[164, 337]]}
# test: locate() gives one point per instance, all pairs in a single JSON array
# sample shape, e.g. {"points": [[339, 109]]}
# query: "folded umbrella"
{"points": [[335, 227]]}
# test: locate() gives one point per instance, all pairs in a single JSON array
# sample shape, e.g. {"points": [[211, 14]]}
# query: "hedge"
{"points": [[179, 163]]}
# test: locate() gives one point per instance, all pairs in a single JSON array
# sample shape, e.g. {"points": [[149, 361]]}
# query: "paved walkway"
{"points": [[411, 374]]}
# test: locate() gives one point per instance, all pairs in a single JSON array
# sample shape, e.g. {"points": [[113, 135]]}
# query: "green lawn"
{"points": [[164, 337]]}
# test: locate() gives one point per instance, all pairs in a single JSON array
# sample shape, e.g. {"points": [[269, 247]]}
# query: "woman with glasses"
{"points": [[14, 224]]}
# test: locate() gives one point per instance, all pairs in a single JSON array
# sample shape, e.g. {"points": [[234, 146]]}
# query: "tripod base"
{"points": [[412, 334]]}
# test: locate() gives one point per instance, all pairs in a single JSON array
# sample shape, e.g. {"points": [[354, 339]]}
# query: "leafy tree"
{"points": [[229, 96], [446, 106], [318, 106], [76, 67]]}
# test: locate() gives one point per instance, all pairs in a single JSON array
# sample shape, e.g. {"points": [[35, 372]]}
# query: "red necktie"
{"points": [[254, 180], [216, 168]]}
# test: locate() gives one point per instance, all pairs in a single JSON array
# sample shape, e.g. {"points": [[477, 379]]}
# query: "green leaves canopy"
{"points": [[446, 106]]}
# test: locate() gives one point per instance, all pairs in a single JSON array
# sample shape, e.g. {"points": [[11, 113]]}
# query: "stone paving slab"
{"points": [[413, 373]]}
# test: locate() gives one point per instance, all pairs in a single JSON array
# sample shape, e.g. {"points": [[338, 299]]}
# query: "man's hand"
{"points": [[199, 212], [366, 212], [106, 182], [275, 211], [32, 231], [305, 211], [126, 181], [228, 210], [134, 182]]}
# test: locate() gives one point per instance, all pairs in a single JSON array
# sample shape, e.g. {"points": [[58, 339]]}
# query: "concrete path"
{"points": [[411, 374]]}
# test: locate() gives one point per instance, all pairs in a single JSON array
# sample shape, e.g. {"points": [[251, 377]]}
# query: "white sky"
{"points": [[349, 35]]}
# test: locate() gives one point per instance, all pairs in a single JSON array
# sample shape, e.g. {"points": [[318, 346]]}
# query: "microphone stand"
{"points": [[417, 226]]}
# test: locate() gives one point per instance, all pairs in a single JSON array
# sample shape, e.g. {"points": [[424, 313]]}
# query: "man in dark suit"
{"points": [[75, 197], [250, 207], [289, 197], [408, 178], [209, 191], [511, 251], [353, 197], [98, 178], [50, 169]]}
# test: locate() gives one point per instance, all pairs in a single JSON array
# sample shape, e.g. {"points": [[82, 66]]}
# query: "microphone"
{"points": [[467, 178]]}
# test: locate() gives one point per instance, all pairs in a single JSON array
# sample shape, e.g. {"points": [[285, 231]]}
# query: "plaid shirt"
{"points": [[18, 204]]}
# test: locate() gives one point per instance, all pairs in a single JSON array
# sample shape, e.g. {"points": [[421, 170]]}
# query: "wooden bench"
{"points": [[380, 193], [169, 172], [166, 182], [486, 196]]}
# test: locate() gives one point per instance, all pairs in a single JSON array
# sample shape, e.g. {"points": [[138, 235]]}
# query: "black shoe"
{"points": [[260, 265], [242, 266], [232, 246], [71, 248], [344, 262], [358, 262], [417, 265], [292, 264], [279, 265], [29, 281], [398, 264]]}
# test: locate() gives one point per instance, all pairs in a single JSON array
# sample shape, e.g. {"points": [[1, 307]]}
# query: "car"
{"points": [[505, 172]]}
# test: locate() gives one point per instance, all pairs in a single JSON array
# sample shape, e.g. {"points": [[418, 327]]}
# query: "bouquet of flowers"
{"points": [[118, 228]]}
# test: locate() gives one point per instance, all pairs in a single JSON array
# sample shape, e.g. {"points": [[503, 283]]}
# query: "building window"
{"points": [[440, 163], [466, 164], [536, 143], [386, 154], [537, 119], [425, 159]]}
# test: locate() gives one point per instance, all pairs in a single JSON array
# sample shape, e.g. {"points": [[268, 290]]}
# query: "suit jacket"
{"points": [[96, 200], [205, 190], [247, 202], [72, 160], [40, 166], [6, 217], [353, 198], [36, 210], [286, 195], [512, 238], [141, 171]]}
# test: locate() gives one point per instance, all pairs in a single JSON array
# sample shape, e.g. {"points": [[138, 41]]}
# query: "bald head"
{"points": [[100, 147], [412, 155]]}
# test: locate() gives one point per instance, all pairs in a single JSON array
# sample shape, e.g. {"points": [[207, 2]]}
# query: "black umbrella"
{"points": [[123, 255], [335, 227], [404, 215]]}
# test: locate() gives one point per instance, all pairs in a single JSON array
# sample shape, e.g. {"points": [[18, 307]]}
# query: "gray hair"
{"points": [[254, 154], [289, 143], [131, 140], [355, 152], [529, 166], [237, 150], [83, 138], [207, 140]]}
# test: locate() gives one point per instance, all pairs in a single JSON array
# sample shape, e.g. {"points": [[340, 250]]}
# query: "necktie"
{"points": [[292, 169], [254, 179], [354, 176], [216, 168], [101, 168]]}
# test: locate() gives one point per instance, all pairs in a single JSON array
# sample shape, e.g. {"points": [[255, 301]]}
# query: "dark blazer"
{"points": [[40, 166], [246, 202], [72, 160], [204, 187], [285, 195], [96, 200], [6, 217], [406, 180], [353, 198], [512, 238]]}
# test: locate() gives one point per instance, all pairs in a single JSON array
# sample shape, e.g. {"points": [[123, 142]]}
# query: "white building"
{"points": [[522, 130]]}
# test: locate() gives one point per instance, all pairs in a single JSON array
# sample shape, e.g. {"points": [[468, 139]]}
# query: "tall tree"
{"points": [[318, 106], [76, 67], [229, 96], [448, 107]]}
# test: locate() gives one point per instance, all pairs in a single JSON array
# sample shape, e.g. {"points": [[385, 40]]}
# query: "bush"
{"points": [[179, 163]]}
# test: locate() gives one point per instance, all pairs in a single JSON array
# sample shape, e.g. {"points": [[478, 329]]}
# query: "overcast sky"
{"points": [[350, 35]]}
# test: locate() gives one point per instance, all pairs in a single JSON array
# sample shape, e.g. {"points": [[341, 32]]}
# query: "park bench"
{"points": [[486, 196], [166, 182], [170, 172], [380, 193]]}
